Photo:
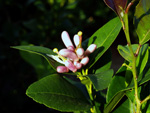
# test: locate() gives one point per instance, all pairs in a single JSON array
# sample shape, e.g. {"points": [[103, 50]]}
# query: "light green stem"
{"points": [[134, 57]]}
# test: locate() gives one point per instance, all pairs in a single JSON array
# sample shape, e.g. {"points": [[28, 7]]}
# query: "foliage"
{"points": [[98, 88]]}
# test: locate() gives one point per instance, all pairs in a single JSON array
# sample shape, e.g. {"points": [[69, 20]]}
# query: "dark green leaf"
{"points": [[43, 51], [125, 107], [55, 92], [103, 38], [117, 90], [101, 80], [142, 21]]}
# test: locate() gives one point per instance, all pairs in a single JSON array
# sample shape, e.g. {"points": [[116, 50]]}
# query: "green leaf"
{"points": [[142, 21], [103, 38], [103, 64], [125, 52], [142, 56], [43, 51], [55, 92], [101, 80], [117, 89], [125, 107]]}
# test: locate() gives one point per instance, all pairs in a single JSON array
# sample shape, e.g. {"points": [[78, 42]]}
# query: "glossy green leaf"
{"points": [[103, 64], [40, 65], [142, 21], [101, 80], [125, 107], [142, 56], [103, 38], [55, 92], [125, 52], [43, 51], [117, 89]]}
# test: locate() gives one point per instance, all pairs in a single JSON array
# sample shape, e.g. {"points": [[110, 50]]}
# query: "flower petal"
{"points": [[66, 39], [85, 60], [78, 65], [76, 40], [70, 66], [69, 54], [80, 52], [90, 49], [62, 69]]}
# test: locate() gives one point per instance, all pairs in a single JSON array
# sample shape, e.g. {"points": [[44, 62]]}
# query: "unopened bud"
{"points": [[78, 65], [85, 60], [62, 69], [69, 54], [70, 66], [80, 52], [90, 49]]}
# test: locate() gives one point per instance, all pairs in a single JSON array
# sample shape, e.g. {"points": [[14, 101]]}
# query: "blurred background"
{"points": [[40, 22]]}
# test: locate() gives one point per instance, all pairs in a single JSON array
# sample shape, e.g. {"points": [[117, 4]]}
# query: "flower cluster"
{"points": [[73, 57]]}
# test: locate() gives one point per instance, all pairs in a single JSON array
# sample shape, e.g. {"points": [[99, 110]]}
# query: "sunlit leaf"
{"points": [[55, 92], [142, 21]]}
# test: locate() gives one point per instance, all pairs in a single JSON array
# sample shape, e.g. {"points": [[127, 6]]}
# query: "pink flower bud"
{"points": [[70, 66], [69, 54], [85, 60], [66, 39], [71, 48], [76, 40], [90, 49], [78, 65], [80, 52], [62, 69]]}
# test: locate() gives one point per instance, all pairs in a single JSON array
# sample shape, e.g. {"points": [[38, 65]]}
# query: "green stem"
{"points": [[146, 99], [134, 70]]}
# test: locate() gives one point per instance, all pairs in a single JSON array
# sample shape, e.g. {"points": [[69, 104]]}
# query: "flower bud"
{"points": [[62, 69], [71, 48], [70, 66], [66, 39], [90, 49], [80, 52], [69, 54], [76, 40], [78, 65], [85, 60]]}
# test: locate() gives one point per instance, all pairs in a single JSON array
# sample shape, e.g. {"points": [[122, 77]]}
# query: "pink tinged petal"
{"points": [[69, 54], [85, 60], [70, 66], [76, 40], [80, 52], [78, 65], [66, 39], [90, 49], [71, 48], [62, 69]]}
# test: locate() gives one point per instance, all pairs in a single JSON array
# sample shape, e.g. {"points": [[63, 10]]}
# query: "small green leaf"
{"points": [[43, 51], [103, 38], [55, 92], [125, 52], [117, 89], [101, 80], [142, 21]]}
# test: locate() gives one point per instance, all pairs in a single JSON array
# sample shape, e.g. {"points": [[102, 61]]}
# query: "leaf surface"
{"points": [[55, 92]]}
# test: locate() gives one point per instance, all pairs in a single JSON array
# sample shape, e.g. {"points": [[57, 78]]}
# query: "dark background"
{"points": [[40, 22]]}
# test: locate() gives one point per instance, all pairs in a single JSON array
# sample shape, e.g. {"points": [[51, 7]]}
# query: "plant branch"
{"points": [[134, 70], [146, 99]]}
